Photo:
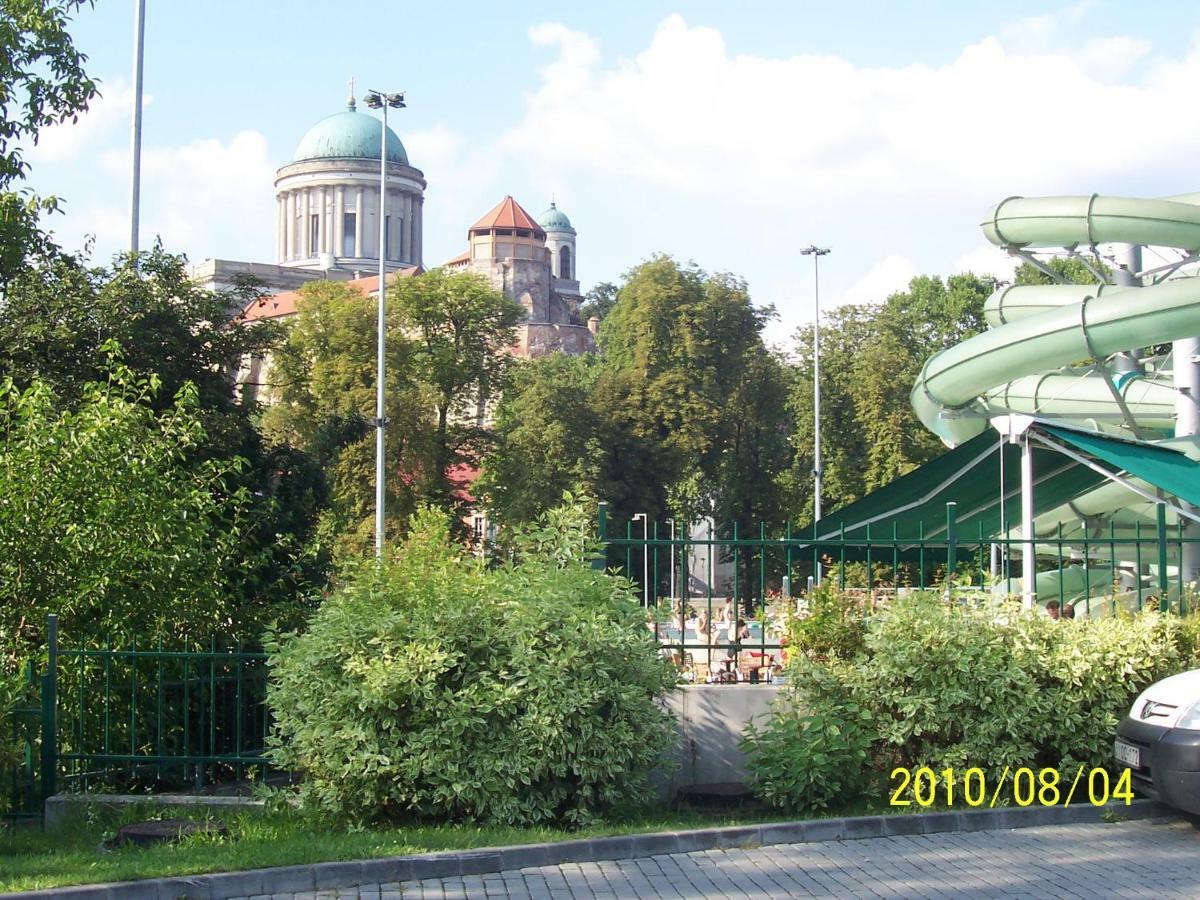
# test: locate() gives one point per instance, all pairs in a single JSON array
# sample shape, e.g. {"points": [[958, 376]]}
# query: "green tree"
{"points": [[42, 83], [547, 438], [104, 521], [56, 320], [599, 301], [461, 330]]}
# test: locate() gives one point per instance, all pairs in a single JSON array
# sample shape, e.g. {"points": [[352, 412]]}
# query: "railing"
{"points": [[144, 718], [761, 579]]}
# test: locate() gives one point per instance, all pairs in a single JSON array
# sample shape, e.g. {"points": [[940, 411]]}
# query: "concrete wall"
{"points": [[712, 719]]}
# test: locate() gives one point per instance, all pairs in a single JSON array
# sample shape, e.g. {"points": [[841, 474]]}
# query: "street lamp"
{"points": [[816, 253], [135, 142], [645, 556], [380, 100]]}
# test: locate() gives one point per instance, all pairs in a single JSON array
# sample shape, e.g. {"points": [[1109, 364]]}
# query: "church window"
{"points": [[564, 262], [348, 228], [314, 235]]}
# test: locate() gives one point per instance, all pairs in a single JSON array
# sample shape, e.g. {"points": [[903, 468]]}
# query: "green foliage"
{"points": [[42, 83], [598, 302], [55, 324], [870, 357], [103, 522], [947, 685], [807, 762], [448, 337], [431, 686], [547, 438], [833, 626], [13, 693]]}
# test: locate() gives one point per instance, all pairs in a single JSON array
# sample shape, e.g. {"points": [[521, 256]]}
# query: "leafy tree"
{"points": [[42, 83], [55, 323], [547, 438], [104, 521], [599, 301], [448, 336], [461, 330]]}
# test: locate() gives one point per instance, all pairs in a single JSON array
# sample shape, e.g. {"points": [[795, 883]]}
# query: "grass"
{"points": [[33, 860]]}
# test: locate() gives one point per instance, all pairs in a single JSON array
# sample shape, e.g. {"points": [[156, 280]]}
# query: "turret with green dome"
{"points": [[554, 219], [560, 241]]}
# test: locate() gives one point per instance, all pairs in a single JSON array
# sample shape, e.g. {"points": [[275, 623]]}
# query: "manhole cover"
{"points": [[162, 831]]}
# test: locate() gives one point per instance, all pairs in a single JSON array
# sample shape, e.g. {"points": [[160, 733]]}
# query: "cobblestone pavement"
{"points": [[1132, 859]]}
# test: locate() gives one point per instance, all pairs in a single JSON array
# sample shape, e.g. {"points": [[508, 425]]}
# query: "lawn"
{"points": [[31, 860]]}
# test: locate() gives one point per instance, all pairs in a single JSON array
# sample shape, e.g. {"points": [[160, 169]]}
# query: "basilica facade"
{"points": [[328, 228]]}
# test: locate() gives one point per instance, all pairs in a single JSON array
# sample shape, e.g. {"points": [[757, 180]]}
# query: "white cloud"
{"points": [[885, 277], [986, 260], [107, 115]]}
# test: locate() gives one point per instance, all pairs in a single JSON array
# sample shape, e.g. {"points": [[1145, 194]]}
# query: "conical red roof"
{"points": [[508, 213]]}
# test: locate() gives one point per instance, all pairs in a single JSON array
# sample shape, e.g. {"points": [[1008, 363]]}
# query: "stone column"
{"points": [[290, 228], [406, 234], [358, 222], [280, 222], [305, 226], [418, 215], [339, 220]]}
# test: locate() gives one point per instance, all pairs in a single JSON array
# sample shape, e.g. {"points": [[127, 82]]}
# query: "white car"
{"points": [[1159, 741]]}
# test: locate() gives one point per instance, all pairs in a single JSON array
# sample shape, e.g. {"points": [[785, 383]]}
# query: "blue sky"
{"points": [[731, 134]]}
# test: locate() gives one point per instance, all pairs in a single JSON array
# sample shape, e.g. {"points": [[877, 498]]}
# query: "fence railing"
{"points": [[137, 717], [691, 578]]}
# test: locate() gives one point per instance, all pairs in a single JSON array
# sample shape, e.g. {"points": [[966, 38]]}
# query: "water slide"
{"points": [[1079, 354]]}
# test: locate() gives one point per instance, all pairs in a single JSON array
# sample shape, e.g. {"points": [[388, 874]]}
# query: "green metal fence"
{"points": [[768, 576], [138, 718]]}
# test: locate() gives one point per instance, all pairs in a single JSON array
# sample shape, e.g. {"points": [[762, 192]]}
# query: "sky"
{"points": [[728, 134]]}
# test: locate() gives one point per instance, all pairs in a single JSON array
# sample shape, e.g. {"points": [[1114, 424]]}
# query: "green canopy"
{"points": [[1162, 467], [914, 506]]}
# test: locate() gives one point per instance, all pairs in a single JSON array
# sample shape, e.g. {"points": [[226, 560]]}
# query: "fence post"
{"points": [[599, 563], [951, 545], [1161, 509], [50, 713]]}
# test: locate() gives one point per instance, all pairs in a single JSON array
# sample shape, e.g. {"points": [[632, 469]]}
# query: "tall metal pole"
{"points": [[816, 253], [382, 335], [135, 185]]}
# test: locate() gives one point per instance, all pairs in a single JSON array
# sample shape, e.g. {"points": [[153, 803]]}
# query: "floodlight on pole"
{"points": [[135, 154], [382, 101], [816, 253]]}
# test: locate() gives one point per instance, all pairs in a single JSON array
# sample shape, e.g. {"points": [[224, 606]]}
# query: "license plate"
{"points": [[1128, 754]]}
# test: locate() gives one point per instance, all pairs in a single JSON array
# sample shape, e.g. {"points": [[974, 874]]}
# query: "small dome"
{"points": [[554, 219], [348, 135]]}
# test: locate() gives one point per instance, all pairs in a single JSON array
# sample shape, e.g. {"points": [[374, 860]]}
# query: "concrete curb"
{"points": [[325, 876]]}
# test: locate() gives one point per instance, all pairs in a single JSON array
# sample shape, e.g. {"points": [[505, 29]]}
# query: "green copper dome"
{"points": [[554, 219], [348, 135]]}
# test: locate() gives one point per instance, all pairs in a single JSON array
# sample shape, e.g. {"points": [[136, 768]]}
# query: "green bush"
{"points": [[433, 687], [947, 685], [832, 627]]}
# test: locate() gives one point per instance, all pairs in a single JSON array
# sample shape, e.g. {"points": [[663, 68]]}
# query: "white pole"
{"points": [[646, 558], [816, 388], [135, 184], [1028, 566], [382, 334], [1186, 375], [672, 560]]}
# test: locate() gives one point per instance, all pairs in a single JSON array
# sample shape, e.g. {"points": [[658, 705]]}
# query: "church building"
{"points": [[327, 228]]}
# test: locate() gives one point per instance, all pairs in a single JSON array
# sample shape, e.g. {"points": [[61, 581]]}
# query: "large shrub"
{"points": [[946, 685], [434, 687]]}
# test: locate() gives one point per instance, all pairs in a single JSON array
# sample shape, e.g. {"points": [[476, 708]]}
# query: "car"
{"points": [[1159, 742]]}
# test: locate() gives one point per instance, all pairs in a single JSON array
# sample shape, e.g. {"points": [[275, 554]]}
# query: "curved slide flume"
{"points": [[1039, 331], [1038, 356]]}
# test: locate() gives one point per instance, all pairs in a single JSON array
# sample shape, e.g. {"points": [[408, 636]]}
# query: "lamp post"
{"points": [[380, 100], [816, 253], [135, 161], [645, 556]]}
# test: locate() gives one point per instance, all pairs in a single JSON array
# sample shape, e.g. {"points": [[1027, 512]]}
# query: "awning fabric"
{"points": [[1162, 467], [914, 506]]}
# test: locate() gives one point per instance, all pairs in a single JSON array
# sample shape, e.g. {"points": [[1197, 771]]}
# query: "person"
{"points": [[1052, 609], [727, 611], [1068, 611]]}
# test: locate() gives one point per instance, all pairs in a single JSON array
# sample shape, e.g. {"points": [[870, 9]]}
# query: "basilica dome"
{"points": [[554, 219], [349, 134]]}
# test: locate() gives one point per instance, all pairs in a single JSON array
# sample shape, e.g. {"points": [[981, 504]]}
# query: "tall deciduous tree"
{"points": [[42, 82]]}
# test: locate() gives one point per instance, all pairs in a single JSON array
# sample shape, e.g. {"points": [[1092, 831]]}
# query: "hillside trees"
{"points": [[448, 334]]}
